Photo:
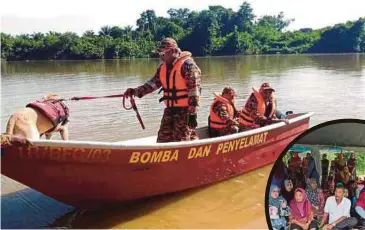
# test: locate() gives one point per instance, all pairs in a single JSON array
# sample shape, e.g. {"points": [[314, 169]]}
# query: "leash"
{"points": [[133, 104], [90, 98]]}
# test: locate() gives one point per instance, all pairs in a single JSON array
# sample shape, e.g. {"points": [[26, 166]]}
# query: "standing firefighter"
{"points": [[223, 115], [179, 77]]}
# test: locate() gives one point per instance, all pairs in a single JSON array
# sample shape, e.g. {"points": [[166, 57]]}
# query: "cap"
{"points": [[266, 86], [166, 44], [229, 90]]}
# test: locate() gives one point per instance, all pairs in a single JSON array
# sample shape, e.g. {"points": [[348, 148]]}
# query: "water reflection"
{"points": [[219, 66]]}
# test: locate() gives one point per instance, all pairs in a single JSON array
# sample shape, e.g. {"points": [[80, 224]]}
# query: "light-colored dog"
{"points": [[32, 123]]}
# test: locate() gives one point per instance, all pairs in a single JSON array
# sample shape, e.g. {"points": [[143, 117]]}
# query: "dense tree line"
{"points": [[215, 31]]}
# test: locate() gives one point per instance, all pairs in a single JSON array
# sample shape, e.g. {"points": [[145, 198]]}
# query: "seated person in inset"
{"points": [[287, 190], [278, 208], [338, 209], [223, 114], [315, 197], [260, 109], [301, 212]]}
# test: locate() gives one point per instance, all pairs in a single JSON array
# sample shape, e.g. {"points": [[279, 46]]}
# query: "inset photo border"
{"points": [[318, 180]]}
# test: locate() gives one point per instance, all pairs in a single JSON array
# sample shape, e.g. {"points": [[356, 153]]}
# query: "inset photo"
{"points": [[318, 180]]}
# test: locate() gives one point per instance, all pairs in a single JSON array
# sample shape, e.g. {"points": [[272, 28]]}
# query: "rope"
{"points": [[133, 103]]}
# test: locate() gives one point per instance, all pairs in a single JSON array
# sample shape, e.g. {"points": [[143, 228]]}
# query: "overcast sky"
{"points": [[28, 16]]}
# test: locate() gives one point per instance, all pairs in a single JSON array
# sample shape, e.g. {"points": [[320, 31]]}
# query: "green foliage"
{"points": [[214, 31], [276, 22], [347, 37]]}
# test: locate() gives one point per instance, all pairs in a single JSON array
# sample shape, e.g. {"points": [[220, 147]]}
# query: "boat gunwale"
{"points": [[184, 144]]}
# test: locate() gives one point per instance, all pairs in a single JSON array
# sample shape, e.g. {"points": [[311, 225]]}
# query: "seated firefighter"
{"points": [[223, 114], [260, 109]]}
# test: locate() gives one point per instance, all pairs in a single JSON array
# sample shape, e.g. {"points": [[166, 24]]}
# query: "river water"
{"points": [[332, 86]]}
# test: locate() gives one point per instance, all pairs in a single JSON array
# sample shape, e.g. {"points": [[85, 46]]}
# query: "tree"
{"points": [[214, 31], [146, 23], [116, 32], [167, 28], [179, 16], [105, 31], [277, 22], [89, 33], [244, 17], [348, 37], [7, 43]]}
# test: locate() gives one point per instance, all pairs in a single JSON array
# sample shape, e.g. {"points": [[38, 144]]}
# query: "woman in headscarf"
{"points": [[301, 212], [288, 191], [351, 164], [278, 209], [316, 197]]}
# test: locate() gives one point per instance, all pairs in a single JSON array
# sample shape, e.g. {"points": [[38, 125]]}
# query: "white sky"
{"points": [[28, 16]]}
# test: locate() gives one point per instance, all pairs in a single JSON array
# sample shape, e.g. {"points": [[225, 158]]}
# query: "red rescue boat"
{"points": [[92, 174]]}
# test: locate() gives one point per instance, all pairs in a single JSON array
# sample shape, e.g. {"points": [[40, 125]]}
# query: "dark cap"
{"points": [[266, 86], [166, 44], [229, 90]]}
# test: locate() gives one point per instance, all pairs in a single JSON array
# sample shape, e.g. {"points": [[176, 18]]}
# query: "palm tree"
{"points": [[89, 33], [105, 31]]}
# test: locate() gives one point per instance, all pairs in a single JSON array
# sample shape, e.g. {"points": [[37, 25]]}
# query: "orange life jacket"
{"points": [[174, 85], [215, 121], [245, 118]]}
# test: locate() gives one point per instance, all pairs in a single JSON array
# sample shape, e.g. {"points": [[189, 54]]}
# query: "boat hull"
{"points": [[92, 176]]}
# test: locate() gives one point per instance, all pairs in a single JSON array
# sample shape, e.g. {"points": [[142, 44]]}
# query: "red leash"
{"points": [[134, 107], [89, 98], [133, 104]]}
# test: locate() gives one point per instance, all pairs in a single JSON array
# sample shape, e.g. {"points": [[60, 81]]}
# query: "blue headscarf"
{"points": [[275, 201]]}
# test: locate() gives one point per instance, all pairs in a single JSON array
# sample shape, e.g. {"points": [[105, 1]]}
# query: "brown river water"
{"points": [[332, 86]]}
